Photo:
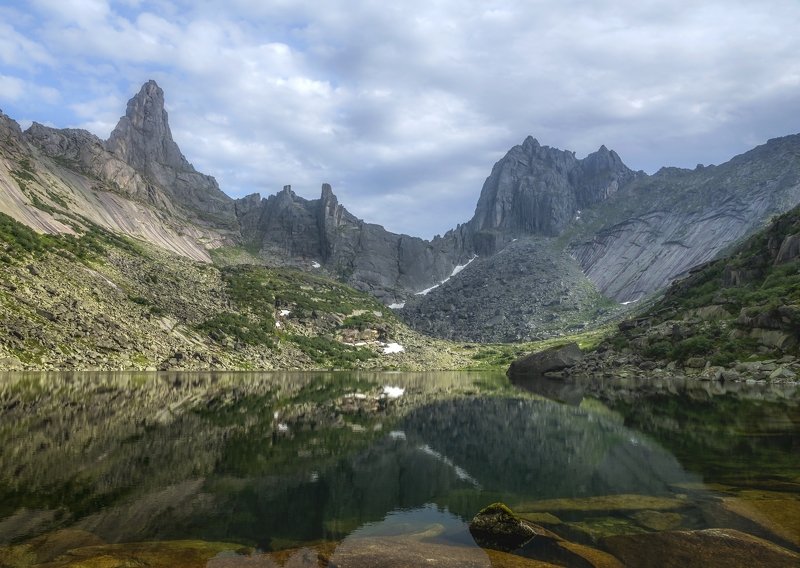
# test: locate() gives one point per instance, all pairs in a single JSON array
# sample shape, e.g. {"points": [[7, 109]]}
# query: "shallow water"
{"points": [[277, 461]]}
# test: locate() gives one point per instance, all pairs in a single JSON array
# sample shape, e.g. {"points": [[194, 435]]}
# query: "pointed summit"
{"points": [[144, 141], [142, 137], [530, 142]]}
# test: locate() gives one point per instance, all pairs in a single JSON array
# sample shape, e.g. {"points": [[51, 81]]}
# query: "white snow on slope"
{"points": [[456, 270], [393, 348]]}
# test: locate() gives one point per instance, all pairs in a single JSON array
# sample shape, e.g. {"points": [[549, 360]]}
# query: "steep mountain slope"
{"points": [[101, 301], [285, 228], [538, 190], [736, 316], [630, 233], [659, 226], [529, 290]]}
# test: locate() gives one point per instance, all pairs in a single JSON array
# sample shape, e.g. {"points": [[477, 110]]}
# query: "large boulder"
{"points": [[497, 527], [553, 359]]}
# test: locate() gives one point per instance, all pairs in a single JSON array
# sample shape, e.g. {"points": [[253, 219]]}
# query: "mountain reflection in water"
{"points": [[279, 460]]}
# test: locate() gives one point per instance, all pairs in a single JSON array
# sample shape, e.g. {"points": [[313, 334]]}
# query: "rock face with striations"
{"points": [[660, 226]]}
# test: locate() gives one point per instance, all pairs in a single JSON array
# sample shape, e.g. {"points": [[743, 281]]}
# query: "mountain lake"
{"points": [[387, 469]]}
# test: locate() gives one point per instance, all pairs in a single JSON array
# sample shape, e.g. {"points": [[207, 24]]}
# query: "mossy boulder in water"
{"points": [[497, 527]]}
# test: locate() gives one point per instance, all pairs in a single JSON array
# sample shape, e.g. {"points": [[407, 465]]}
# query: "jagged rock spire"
{"points": [[143, 137], [143, 140]]}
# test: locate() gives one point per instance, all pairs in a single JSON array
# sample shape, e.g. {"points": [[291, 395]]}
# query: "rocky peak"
{"points": [[143, 137], [143, 140], [537, 190], [67, 143], [8, 126]]}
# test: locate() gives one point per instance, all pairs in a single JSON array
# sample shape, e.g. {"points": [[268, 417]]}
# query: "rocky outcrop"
{"points": [[538, 190], [143, 139], [288, 229], [84, 152]]}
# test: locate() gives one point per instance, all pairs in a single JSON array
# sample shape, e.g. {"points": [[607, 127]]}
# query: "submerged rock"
{"points": [[606, 503], [711, 548], [497, 527]]}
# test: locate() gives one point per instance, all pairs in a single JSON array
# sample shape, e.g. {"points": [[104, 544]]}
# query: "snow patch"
{"points": [[426, 290], [456, 270], [461, 267], [393, 348], [283, 427], [393, 392], [316, 264], [277, 324], [629, 302], [397, 306], [285, 313], [397, 435]]}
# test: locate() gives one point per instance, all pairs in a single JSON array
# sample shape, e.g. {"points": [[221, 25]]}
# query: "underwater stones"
{"points": [[496, 526], [658, 520], [606, 503], [565, 553], [400, 552], [176, 554], [50, 546], [711, 548], [776, 513], [553, 359]]}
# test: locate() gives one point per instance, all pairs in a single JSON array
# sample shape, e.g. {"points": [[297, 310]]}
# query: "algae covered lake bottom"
{"points": [[387, 469]]}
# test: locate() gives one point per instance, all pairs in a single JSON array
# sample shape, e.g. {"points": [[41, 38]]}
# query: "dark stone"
{"points": [[553, 359], [497, 527]]}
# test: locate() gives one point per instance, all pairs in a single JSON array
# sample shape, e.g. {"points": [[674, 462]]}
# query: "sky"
{"points": [[405, 106]]}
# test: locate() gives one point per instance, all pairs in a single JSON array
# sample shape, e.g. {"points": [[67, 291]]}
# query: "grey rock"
{"points": [[553, 359], [658, 227], [790, 249], [143, 140], [292, 230], [537, 190], [529, 290]]}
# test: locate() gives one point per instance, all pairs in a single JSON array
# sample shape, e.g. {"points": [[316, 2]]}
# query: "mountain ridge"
{"points": [[631, 233]]}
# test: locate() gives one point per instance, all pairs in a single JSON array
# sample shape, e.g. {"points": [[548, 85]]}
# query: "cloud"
{"points": [[404, 107]]}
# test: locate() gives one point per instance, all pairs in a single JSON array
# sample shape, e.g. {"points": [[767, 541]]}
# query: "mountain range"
{"points": [[555, 242]]}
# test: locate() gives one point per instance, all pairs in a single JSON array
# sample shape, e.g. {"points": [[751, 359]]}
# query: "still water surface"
{"points": [[278, 461]]}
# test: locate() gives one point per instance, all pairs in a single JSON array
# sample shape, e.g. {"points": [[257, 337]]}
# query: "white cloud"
{"points": [[404, 107]]}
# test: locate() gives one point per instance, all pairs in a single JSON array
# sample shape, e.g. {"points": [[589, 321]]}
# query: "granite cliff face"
{"points": [[629, 233], [538, 190], [286, 228], [660, 226]]}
